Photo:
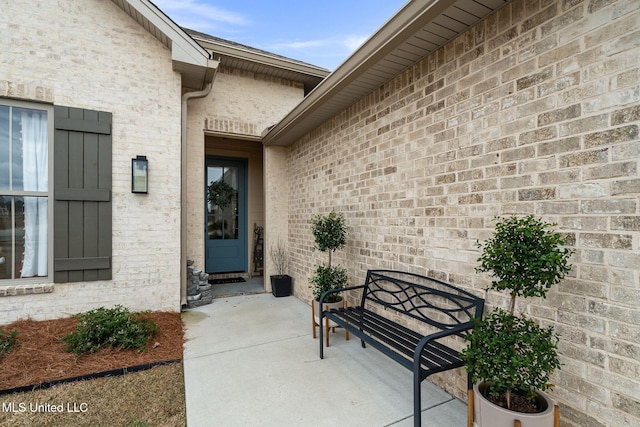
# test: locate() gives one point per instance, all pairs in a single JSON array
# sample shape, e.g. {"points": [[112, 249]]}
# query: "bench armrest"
{"points": [[437, 335], [348, 288]]}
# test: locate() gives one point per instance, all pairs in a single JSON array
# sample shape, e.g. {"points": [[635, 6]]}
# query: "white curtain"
{"points": [[35, 172]]}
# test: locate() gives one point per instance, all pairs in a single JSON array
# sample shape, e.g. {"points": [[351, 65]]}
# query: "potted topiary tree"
{"points": [[330, 234], [280, 282], [509, 356]]}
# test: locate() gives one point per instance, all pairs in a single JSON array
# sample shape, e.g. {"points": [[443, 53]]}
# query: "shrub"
{"points": [[330, 234], [513, 353], [328, 279], [525, 258], [115, 327]]}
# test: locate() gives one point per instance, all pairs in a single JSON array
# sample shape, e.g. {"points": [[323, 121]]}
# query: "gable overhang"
{"points": [[416, 31], [189, 59], [240, 57]]}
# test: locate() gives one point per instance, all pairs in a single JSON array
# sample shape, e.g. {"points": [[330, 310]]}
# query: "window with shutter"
{"points": [[82, 195]]}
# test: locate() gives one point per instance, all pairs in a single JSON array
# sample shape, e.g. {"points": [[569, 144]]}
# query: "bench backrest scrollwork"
{"points": [[425, 299]]}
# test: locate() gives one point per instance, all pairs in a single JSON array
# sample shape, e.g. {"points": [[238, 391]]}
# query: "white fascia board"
{"points": [[262, 58], [183, 47]]}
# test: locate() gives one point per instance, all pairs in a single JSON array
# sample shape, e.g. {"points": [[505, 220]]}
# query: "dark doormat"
{"points": [[227, 280]]}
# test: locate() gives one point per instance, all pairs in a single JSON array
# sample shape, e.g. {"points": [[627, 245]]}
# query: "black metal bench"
{"points": [[433, 310]]}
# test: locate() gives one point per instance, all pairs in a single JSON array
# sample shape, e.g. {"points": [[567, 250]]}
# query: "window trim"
{"points": [[49, 108]]}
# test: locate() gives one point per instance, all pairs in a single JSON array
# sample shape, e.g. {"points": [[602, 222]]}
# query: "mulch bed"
{"points": [[41, 357]]}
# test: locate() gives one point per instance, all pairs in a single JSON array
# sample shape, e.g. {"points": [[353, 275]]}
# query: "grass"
{"points": [[143, 399]]}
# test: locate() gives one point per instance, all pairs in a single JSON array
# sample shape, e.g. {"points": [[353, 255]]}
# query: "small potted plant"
{"points": [[280, 282], [510, 357], [330, 234]]}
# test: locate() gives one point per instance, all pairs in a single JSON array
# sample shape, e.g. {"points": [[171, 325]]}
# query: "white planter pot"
{"points": [[489, 415], [326, 306]]}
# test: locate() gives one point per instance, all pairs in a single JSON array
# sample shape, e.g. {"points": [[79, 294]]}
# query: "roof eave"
{"points": [[262, 58], [411, 18], [188, 57]]}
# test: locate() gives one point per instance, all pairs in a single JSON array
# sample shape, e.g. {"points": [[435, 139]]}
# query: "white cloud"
{"points": [[325, 52], [198, 15], [297, 45], [346, 43], [353, 42]]}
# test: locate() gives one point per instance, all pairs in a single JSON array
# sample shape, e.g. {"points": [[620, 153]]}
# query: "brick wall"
{"points": [[90, 54], [535, 110], [241, 104]]}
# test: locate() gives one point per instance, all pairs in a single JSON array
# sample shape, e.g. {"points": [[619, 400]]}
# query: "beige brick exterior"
{"points": [[240, 106], [277, 203], [535, 110], [90, 54]]}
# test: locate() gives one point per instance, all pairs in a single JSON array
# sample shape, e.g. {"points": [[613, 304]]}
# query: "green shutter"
{"points": [[82, 195]]}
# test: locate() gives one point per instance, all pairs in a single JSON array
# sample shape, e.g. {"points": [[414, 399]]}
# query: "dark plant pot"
{"points": [[281, 286]]}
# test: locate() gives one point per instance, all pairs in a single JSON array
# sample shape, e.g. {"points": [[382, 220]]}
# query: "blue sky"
{"points": [[322, 33]]}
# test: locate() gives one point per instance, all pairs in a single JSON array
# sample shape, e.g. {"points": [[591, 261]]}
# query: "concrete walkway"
{"points": [[251, 361]]}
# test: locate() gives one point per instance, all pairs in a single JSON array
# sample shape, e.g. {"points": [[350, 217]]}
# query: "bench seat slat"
{"points": [[434, 356], [401, 341], [368, 338]]}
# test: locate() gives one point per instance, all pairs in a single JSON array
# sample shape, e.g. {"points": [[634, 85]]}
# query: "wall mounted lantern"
{"points": [[140, 175]]}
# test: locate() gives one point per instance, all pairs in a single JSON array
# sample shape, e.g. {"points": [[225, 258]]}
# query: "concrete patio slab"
{"points": [[251, 360]]}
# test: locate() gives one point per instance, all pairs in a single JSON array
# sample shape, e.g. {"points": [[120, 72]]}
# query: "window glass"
{"points": [[4, 147], [6, 237], [24, 184], [30, 159]]}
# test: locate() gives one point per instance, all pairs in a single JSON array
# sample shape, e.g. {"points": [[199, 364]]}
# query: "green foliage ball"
{"points": [[524, 256], [329, 231], [114, 327], [511, 352], [328, 279]]}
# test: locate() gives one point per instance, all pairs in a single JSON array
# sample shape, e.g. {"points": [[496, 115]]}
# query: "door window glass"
{"points": [[222, 202]]}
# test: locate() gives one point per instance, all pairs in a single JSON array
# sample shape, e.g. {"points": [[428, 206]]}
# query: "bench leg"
{"points": [[314, 324], [346, 330], [417, 406], [326, 326], [321, 329]]}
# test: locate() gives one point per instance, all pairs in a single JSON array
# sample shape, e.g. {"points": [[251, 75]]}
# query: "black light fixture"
{"points": [[140, 175]]}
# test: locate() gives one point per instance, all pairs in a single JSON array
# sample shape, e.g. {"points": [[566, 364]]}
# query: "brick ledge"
{"points": [[14, 290]]}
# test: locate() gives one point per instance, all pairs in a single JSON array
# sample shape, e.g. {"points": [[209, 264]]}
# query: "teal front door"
{"points": [[226, 215]]}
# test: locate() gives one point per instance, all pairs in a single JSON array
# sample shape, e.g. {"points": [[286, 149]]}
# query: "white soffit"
{"points": [[416, 31]]}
